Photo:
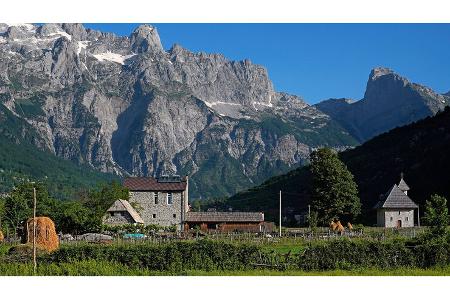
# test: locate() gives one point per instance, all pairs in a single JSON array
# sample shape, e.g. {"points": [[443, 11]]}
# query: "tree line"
{"points": [[82, 214]]}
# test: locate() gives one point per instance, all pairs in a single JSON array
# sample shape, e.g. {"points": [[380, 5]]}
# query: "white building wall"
{"points": [[392, 216]]}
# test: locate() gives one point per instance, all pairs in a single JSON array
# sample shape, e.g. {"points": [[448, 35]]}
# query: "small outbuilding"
{"points": [[395, 209], [228, 221], [120, 213]]}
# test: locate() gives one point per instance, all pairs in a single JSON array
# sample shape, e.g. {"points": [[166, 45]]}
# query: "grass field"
{"points": [[101, 268]]}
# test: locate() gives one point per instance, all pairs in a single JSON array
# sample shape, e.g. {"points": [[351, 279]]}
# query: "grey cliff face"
{"points": [[146, 39], [125, 105], [389, 101]]}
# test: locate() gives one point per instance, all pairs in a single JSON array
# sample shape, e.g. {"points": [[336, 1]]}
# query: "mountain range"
{"points": [[127, 106]]}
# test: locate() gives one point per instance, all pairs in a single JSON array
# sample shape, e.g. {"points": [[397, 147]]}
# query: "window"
{"points": [[399, 213], [155, 197], [407, 218], [391, 218], [154, 216], [174, 216], [169, 198]]}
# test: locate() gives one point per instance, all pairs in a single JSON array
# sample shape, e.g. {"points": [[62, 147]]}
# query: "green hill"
{"points": [[21, 159], [419, 150]]}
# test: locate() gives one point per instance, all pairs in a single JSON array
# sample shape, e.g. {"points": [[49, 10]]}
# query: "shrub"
{"points": [[348, 254]]}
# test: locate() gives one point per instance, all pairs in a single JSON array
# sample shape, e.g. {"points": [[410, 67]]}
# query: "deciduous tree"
{"points": [[436, 215], [334, 192]]}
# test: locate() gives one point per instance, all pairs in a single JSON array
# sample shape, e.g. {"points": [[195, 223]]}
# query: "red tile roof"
{"points": [[152, 184]]}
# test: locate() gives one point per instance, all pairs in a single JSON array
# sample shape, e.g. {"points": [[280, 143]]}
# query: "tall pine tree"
{"points": [[334, 193]]}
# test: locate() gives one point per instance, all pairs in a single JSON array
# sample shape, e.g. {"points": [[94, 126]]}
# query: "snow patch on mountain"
{"points": [[114, 57], [211, 104], [61, 33], [82, 45]]}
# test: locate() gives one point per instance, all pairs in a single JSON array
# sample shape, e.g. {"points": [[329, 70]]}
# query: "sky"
{"points": [[319, 61]]}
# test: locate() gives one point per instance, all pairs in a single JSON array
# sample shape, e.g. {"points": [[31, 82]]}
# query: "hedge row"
{"points": [[215, 255], [177, 256]]}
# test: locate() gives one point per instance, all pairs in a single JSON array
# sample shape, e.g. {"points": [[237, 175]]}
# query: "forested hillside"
{"points": [[419, 150], [21, 160]]}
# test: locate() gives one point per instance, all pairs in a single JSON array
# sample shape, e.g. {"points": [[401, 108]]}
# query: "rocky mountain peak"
{"points": [[380, 71], [145, 38], [19, 31], [383, 83], [24, 27], [177, 50], [343, 101], [48, 29], [390, 100], [76, 30]]}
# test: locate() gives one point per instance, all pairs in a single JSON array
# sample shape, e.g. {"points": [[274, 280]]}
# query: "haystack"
{"points": [[46, 237], [333, 225], [2, 237], [339, 227], [349, 226]]}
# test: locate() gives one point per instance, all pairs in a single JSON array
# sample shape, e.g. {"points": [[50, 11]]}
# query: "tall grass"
{"points": [[104, 268], [75, 268]]}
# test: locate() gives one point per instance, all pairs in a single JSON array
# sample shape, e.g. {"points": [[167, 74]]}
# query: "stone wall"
{"points": [[392, 216], [162, 213], [118, 219]]}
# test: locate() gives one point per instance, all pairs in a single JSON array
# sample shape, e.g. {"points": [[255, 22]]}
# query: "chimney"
{"points": [[186, 195]]}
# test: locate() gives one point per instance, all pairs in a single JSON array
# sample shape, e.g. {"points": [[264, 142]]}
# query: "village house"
{"points": [[395, 209], [164, 201]]}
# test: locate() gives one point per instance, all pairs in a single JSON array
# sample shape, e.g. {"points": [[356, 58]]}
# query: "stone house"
{"points": [[162, 201], [395, 209], [120, 213]]}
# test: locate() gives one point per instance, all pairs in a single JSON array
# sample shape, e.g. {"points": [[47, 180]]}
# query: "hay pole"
{"points": [[34, 232], [280, 214]]}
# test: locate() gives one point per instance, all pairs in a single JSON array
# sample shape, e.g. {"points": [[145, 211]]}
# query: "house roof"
{"points": [[403, 186], [396, 198], [152, 184], [124, 205], [215, 216]]}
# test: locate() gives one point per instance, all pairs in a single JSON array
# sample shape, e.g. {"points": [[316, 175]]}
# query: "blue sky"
{"points": [[320, 61]]}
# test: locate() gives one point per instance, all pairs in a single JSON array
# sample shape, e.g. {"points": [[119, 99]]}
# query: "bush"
{"points": [[347, 254]]}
